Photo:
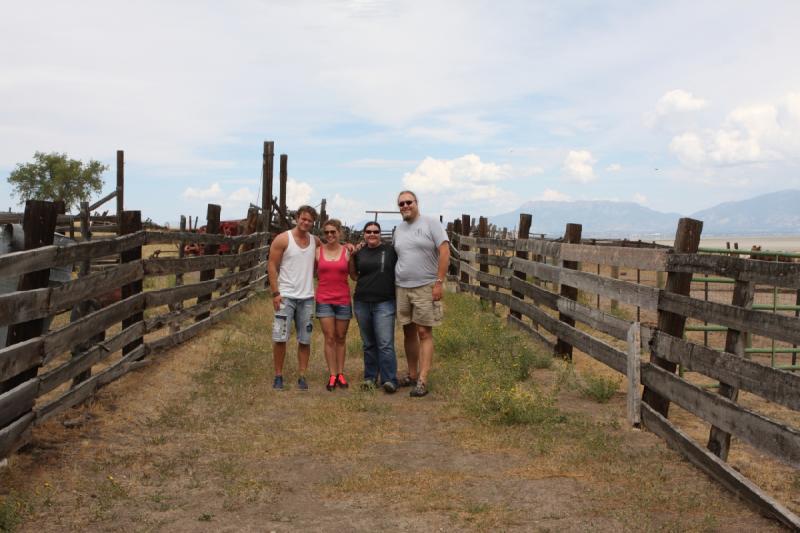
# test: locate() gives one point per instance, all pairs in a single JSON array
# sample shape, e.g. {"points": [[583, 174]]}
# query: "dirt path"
{"points": [[198, 441]]}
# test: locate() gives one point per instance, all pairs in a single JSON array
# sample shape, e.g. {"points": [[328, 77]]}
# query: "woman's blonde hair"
{"points": [[335, 222]]}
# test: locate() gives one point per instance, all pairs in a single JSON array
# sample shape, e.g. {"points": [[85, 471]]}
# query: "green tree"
{"points": [[55, 176]]}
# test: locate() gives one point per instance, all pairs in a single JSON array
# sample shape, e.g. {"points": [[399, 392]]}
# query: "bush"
{"points": [[599, 388]]}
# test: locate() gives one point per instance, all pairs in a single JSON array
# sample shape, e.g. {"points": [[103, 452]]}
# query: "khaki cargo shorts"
{"points": [[416, 305]]}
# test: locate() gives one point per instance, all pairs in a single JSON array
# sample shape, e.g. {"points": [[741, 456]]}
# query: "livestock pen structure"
{"points": [[549, 287]]}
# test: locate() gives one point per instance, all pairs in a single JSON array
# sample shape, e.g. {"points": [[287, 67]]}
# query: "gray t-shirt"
{"points": [[417, 245]]}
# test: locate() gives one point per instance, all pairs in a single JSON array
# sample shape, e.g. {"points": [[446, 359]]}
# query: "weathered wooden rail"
{"points": [[43, 374], [533, 291]]}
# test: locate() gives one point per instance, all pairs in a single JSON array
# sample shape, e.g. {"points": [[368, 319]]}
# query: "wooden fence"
{"points": [[46, 371], [540, 280]]}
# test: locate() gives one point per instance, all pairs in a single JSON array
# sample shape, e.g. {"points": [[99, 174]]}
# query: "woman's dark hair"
{"points": [[371, 223]]}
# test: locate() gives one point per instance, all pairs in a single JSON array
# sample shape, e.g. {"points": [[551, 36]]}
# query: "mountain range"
{"points": [[776, 213]]}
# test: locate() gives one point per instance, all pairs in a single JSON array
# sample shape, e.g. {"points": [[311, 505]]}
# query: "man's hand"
{"points": [[276, 302], [437, 291]]}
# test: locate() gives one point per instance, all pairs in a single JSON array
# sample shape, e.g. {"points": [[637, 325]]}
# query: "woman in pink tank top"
{"points": [[333, 300]]}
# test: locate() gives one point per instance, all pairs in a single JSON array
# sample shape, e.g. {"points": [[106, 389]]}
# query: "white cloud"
{"points": [[614, 167], [348, 210], [749, 134], [466, 172], [640, 198], [297, 193], [579, 166], [679, 101], [380, 163], [212, 192], [551, 195]]}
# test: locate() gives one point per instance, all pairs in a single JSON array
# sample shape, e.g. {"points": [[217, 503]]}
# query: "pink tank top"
{"points": [[333, 287]]}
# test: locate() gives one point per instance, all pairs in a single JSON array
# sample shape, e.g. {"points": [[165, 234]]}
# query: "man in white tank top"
{"points": [[291, 278]]}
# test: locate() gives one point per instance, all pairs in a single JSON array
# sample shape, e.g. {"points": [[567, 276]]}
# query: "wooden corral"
{"points": [[540, 280], [45, 371]]}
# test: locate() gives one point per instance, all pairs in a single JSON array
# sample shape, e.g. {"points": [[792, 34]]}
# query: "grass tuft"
{"points": [[599, 388]]}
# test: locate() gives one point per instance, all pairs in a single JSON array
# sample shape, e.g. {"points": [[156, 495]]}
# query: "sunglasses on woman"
{"points": [[372, 232]]}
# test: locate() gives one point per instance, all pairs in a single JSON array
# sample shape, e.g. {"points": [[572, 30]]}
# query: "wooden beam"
{"points": [[131, 222], [572, 234]]}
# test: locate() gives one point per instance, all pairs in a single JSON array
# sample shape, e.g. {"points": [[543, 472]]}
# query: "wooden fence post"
{"points": [[177, 306], [284, 177], [453, 270], [120, 189], [39, 224], [614, 275], [483, 231], [323, 214], [87, 306], [131, 222], [463, 247], [634, 374], [687, 240], [212, 228], [525, 220], [719, 441], [572, 235], [266, 186]]}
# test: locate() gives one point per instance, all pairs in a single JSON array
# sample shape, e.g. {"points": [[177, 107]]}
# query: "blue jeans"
{"points": [[376, 323]]}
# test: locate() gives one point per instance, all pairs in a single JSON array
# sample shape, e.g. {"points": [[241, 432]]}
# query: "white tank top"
{"points": [[296, 274]]}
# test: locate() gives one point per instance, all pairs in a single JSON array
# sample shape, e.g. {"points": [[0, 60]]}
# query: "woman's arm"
{"points": [[351, 265]]}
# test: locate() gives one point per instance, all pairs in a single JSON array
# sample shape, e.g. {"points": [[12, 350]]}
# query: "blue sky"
{"points": [[477, 106]]}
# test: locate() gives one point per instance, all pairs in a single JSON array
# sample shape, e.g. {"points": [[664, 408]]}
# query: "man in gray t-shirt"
{"points": [[423, 255]]}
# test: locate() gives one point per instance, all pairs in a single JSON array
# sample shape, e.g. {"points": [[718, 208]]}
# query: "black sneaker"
{"points": [[407, 381], [301, 383], [389, 387], [277, 383], [419, 391]]}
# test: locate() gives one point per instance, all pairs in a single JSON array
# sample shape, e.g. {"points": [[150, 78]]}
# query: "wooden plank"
{"points": [[501, 261], [542, 271], [687, 240], [595, 318], [16, 434], [773, 273], [168, 341], [596, 348], [624, 291], [179, 315], [527, 328], [131, 222], [57, 342], [539, 247], [19, 357], [634, 339], [466, 255], [485, 277], [17, 401], [775, 385], [717, 469], [94, 285], [537, 294], [641, 258], [486, 242], [779, 440], [23, 306], [572, 234], [18, 263], [89, 387], [771, 325], [176, 294], [523, 232], [82, 362], [174, 265], [212, 228], [167, 237], [488, 294], [719, 441]]}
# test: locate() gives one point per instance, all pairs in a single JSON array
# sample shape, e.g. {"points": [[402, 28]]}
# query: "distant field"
{"points": [[785, 243]]}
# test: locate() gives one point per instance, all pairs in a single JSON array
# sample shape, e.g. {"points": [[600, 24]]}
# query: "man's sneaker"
{"points": [[331, 383], [341, 381], [368, 385], [407, 381], [389, 387], [301, 383], [277, 383], [419, 391]]}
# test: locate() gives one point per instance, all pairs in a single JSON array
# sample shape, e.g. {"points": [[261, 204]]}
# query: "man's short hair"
{"points": [[401, 193], [306, 209]]}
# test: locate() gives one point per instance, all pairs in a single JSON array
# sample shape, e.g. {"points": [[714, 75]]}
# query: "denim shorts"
{"points": [[294, 310], [341, 312]]}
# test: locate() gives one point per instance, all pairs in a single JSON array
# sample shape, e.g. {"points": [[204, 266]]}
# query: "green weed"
{"points": [[599, 388]]}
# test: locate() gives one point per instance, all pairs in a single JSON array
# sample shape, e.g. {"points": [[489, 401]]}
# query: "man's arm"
{"points": [[441, 272], [276, 250]]}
